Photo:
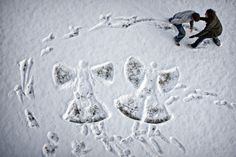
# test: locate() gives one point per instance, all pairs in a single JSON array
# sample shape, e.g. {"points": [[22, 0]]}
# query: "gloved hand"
{"points": [[193, 36]]}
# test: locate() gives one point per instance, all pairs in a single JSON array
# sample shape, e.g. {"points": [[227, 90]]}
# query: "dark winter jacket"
{"points": [[213, 28]]}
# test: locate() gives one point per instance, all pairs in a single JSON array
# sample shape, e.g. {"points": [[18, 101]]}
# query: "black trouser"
{"points": [[201, 38]]}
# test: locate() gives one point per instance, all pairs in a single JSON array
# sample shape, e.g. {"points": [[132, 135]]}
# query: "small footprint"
{"points": [[156, 146], [198, 94], [49, 150], [31, 121], [224, 103], [53, 137], [161, 136], [79, 148], [171, 100], [48, 38], [73, 32], [19, 92], [29, 89], [46, 51], [84, 130], [192, 96], [180, 86]]}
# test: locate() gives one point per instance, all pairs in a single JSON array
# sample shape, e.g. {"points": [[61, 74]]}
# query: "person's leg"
{"points": [[216, 40], [198, 41], [181, 34]]}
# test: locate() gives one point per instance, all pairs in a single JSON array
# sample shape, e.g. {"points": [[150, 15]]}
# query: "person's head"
{"points": [[210, 13], [196, 17]]}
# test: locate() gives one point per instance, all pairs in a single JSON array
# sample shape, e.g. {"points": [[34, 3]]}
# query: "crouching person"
{"points": [[212, 30]]}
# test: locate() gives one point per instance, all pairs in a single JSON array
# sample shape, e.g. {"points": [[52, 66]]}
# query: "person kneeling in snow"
{"points": [[183, 17], [212, 30]]}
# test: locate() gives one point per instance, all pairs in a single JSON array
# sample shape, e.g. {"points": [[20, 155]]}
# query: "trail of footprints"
{"points": [[26, 87], [142, 105], [47, 49], [107, 21], [148, 138], [49, 148]]}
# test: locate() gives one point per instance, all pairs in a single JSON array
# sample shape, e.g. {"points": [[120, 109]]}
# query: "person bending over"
{"points": [[178, 19]]}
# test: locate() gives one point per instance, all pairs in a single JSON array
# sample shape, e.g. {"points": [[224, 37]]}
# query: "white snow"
{"points": [[43, 45]]}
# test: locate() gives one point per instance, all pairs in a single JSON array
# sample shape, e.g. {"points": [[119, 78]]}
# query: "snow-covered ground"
{"points": [[61, 55]]}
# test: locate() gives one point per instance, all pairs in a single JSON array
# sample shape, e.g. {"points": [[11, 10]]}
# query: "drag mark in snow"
{"points": [[176, 142], [164, 26], [188, 27], [107, 21], [125, 22], [31, 120]]}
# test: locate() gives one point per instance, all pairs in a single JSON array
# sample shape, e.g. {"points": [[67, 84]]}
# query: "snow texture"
{"points": [[127, 91]]}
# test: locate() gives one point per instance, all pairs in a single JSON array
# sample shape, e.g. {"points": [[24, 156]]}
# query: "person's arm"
{"points": [[206, 29], [204, 19]]}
